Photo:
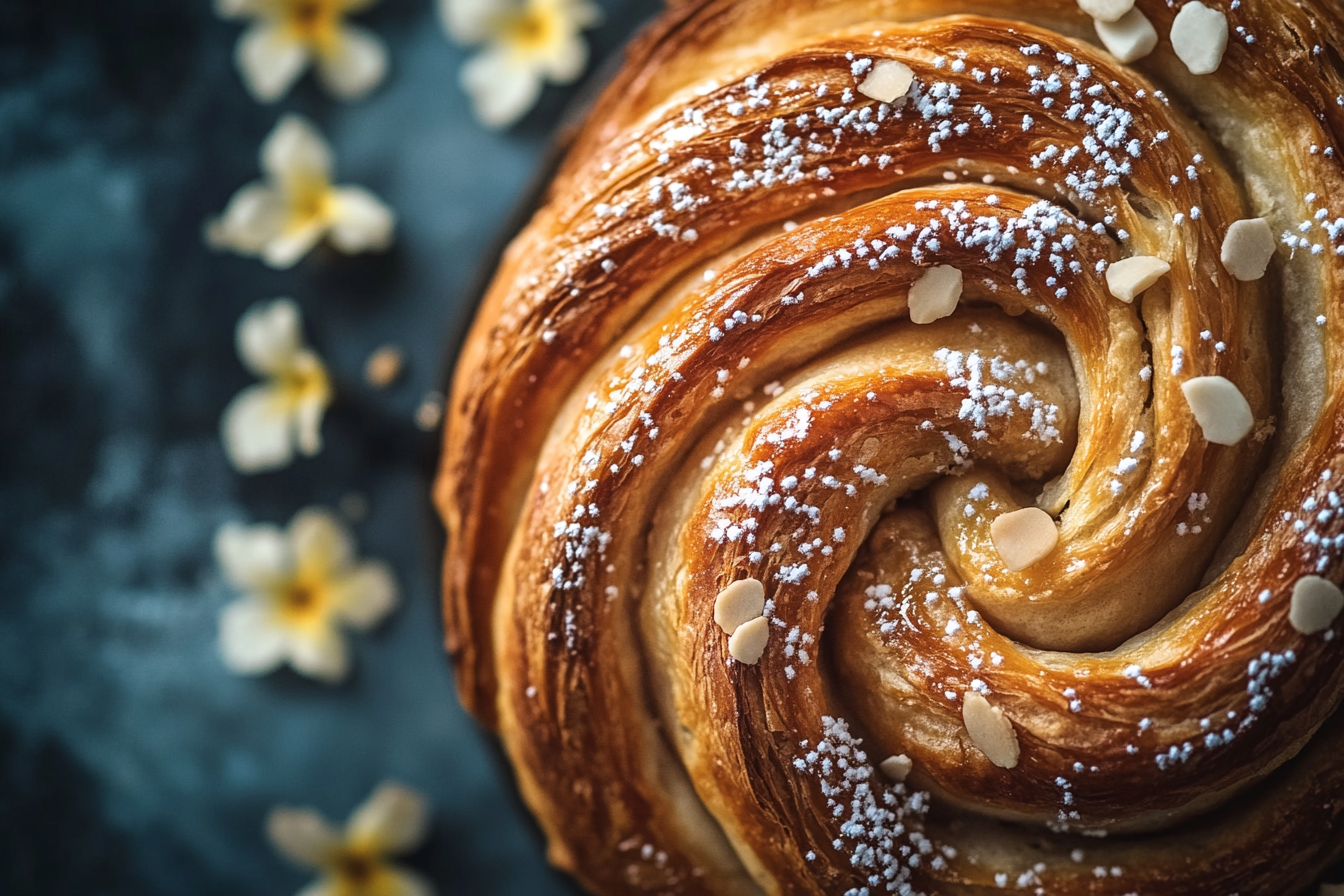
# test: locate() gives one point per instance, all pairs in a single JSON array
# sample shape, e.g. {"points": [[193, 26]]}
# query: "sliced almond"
{"points": [[935, 294], [740, 602], [1199, 37], [1023, 537], [990, 730], [887, 81], [1128, 38], [1106, 10], [896, 767], [1316, 602], [1131, 276], [1220, 409], [1247, 248], [748, 643]]}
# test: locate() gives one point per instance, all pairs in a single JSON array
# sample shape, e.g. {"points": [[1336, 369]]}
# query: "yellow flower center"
{"points": [[359, 873], [303, 603], [306, 379], [310, 202], [532, 30], [314, 21], [355, 868]]}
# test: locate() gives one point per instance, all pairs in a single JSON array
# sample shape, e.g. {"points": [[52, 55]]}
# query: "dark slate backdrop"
{"points": [[131, 762]]}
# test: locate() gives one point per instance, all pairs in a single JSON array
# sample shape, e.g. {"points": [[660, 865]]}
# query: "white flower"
{"points": [[392, 821], [288, 35], [299, 587], [265, 423], [283, 217], [527, 42]]}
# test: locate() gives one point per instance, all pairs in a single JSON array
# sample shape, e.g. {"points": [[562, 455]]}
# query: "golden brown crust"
{"points": [[694, 365]]}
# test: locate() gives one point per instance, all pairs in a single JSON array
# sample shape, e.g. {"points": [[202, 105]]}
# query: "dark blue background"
{"points": [[131, 761]]}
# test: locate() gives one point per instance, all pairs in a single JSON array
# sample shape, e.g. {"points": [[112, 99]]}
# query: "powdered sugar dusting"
{"points": [[877, 825]]}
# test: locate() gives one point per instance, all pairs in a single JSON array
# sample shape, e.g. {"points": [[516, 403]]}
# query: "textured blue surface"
{"points": [[130, 760]]}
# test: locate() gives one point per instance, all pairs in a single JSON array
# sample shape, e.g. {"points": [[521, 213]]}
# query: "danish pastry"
{"points": [[903, 454]]}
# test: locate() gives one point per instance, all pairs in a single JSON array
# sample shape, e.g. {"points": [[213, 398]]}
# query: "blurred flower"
{"points": [[526, 42], [390, 822], [300, 587], [283, 217], [265, 423], [288, 35]]}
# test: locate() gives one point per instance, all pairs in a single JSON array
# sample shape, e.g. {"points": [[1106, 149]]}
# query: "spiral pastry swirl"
{"points": [[880, 466]]}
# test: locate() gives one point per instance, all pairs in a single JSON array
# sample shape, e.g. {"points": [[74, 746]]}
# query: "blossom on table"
{"points": [[265, 424], [287, 36], [284, 216], [299, 587], [527, 42], [354, 862]]}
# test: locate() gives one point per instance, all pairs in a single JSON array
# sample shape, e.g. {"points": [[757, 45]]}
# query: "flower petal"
{"points": [[312, 403], [583, 14], [319, 652], [401, 882], [302, 836], [366, 595], [251, 640], [356, 64], [286, 248], [392, 820], [254, 215], [308, 416], [295, 150], [237, 9], [565, 59], [501, 88], [322, 545], [565, 56], [253, 558], [360, 222], [470, 21], [268, 336], [257, 429], [270, 61], [323, 886]]}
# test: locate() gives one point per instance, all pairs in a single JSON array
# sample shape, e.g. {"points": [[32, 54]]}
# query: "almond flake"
{"points": [[1128, 38], [990, 730], [1106, 10], [1316, 603], [740, 602], [1247, 248], [1131, 276], [1199, 37], [896, 767], [887, 81], [1023, 537], [1220, 409], [935, 294], [748, 642]]}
